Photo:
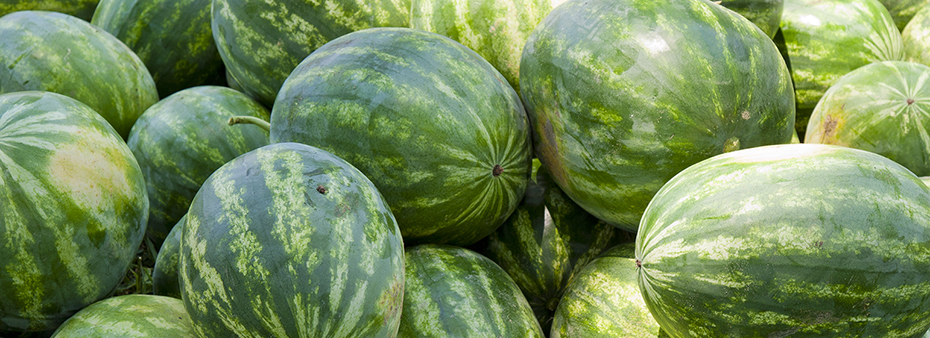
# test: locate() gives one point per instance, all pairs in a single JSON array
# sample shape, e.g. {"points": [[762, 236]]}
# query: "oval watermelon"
{"points": [[288, 240], [165, 272], [73, 208], [130, 316], [902, 11], [916, 38], [789, 240], [624, 94], [766, 14], [83, 9]]}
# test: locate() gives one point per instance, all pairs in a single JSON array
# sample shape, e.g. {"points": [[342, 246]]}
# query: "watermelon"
{"points": [[261, 42], [130, 316], [825, 39], [55, 52], [73, 209], [173, 38], [288, 240], [604, 300], [455, 292], [83, 9], [916, 38], [495, 29], [182, 139], [800, 240], [545, 241], [766, 14], [643, 89], [165, 272], [883, 107], [433, 125], [902, 11]]}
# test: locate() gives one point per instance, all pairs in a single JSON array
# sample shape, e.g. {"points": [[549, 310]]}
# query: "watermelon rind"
{"points": [[136, 315], [165, 272], [83, 9]]}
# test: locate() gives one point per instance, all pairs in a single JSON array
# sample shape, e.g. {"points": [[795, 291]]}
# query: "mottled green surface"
{"points": [[455, 292], [59, 53], [916, 38], [902, 11], [83, 9], [130, 316], [825, 39], [604, 300], [262, 41], [426, 119], [73, 209], [172, 37], [165, 273], [766, 14], [800, 240], [625, 94], [290, 241], [495, 29], [546, 241], [884, 108], [182, 139]]}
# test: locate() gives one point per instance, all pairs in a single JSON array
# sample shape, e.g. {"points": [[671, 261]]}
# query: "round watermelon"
{"points": [[789, 240], [883, 107], [766, 14], [83, 9], [182, 139], [916, 38], [165, 272], [288, 240], [455, 292], [261, 42], [130, 316], [172, 37], [433, 125], [73, 209], [624, 94]]}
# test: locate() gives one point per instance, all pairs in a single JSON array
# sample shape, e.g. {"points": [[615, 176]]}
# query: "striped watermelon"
{"points": [[172, 37], [766, 14], [916, 38], [902, 11], [455, 292], [883, 107], [825, 39], [434, 126], [182, 139], [130, 316], [262, 41], [495, 29], [604, 300], [73, 208], [83, 9], [59, 53], [165, 272], [290, 241], [623, 94], [800, 240]]}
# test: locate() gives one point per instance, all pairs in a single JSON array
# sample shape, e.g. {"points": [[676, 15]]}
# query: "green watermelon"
{"points": [[455, 292], [433, 125], [495, 29], [172, 37], [262, 41], [73, 209], [545, 241], [902, 11], [766, 14], [884, 108], [825, 39], [83, 9], [624, 94], [288, 240], [182, 139], [916, 38], [604, 300], [55, 52], [130, 316], [165, 272], [800, 240]]}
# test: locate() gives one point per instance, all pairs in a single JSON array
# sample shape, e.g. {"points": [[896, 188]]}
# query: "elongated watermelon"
{"points": [[288, 240], [165, 272], [182, 139], [73, 209], [83, 9], [60, 53], [172, 37], [455, 292], [262, 41], [797, 240], [433, 125], [130, 316], [916, 38], [766, 14], [624, 94]]}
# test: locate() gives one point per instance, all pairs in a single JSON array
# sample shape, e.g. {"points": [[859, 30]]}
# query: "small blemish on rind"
{"points": [[321, 189], [497, 171]]}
